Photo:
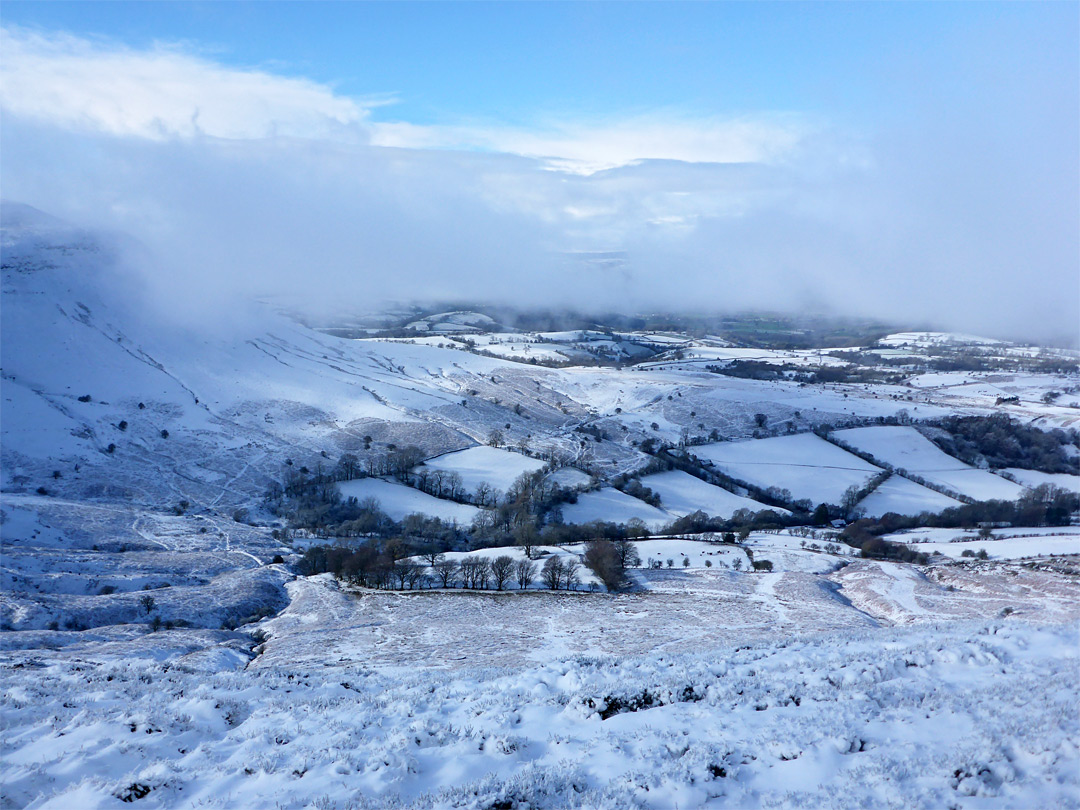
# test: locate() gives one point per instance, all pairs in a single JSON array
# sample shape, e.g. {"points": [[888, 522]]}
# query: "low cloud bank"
{"points": [[245, 183]]}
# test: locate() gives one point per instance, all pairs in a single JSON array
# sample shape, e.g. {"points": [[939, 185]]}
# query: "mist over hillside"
{"points": [[310, 197]]}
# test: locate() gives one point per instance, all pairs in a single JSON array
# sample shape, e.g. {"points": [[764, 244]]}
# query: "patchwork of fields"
{"points": [[805, 465]]}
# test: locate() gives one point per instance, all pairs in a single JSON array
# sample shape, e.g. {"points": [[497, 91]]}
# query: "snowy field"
{"points": [[569, 478], [609, 504], [805, 464], [398, 500], [1004, 544], [479, 465], [904, 497], [702, 354], [1009, 548], [907, 449], [1033, 478], [681, 494], [969, 715]]}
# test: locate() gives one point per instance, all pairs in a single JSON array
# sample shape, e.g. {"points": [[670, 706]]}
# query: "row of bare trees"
{"points": [[373, 568]]}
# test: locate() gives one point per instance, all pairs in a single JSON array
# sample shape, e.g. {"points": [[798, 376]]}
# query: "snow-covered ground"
{"points": [[479, 465], [398, 500], [904, 497], [906, 449], [709, 354], [1009, 548], [609, 504], [1034, 478], [153, 648], [691, 554], [569, 478], [681, 493], [805, 464], [970, 715], [934, 339], [1004, 544]]}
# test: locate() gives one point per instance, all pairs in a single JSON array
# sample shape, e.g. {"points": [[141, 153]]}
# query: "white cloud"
{"points": [[167, 93], [588, 148], [945, 219], [158, 94]]}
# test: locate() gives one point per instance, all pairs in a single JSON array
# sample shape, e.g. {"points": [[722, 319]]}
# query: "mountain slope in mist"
{"points": [[88, 366]]}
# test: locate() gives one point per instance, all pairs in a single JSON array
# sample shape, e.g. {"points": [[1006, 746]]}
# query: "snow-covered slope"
{"points": [[805, 464], [611, 505], [486, 465], [398, 500], [681, 493], [904, 497], [154, 649], [1034, 478], [906, 449], [87, 365]]}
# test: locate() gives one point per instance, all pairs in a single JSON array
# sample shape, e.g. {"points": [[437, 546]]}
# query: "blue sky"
{"points": [[515, 62], [913, 161]]}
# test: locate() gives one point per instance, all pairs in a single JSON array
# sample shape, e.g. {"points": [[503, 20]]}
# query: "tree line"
{"points": [[389, 566]]}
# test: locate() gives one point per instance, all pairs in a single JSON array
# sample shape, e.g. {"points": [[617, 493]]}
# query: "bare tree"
{"points": [[348, 466], [525, 573], [850, 499], [416, 576], [437, 478], [483, 572], [570, 574], [627, 552], [501, 570], [403, 572], [445, 570], [403, 460], [147, 603], [396, 548], [484, 521], [468, 572], [483, 495], [455, 489], [527, 537], [552, 573], [431, 554]]}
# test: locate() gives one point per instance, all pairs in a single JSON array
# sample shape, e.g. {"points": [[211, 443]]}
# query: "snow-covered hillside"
{"points": [[398, 500], [160, 642], [485, 465], [608, 504], [904, 497], [884, 718], [906, 449], [681, 493], [805, 464]]}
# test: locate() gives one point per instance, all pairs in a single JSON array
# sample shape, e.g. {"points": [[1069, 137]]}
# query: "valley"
{"points": [[246, 562]]}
